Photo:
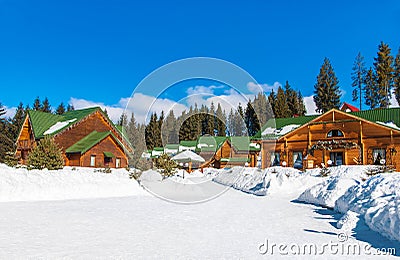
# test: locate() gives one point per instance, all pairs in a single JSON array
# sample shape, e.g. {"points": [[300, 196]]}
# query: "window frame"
{"points": [[335, 136]]}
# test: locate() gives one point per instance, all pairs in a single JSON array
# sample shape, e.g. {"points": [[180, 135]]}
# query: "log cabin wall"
{"points": [[26, 142], [108, 145], [94, 122], [367, 135]]}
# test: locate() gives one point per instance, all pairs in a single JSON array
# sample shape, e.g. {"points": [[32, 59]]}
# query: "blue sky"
{"points": [[98, 51]]}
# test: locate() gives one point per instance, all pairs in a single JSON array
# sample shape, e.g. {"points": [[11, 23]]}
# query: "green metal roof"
{"points": [[41, 121], [212, 142], [188, 143], [172, 146], [235, 159], [109, 154], [83, 145], [159, 149], [242, 143], [382, 115]]}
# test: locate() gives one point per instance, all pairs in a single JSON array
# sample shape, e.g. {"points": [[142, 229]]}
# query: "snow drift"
{"points": [[333, 187], [266, 181], [68, 183], [378, 201]]}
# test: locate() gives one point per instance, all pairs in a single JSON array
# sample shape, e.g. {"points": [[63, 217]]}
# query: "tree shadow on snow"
{"points": [[361, 231]]}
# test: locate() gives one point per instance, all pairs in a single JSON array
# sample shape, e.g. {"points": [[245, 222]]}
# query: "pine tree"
{"points": [[251, 120], [60, 109], [240, 125], [281, 105], [46, 106], [396, 77], [37, 105], [358, 78], [123, 120], [327, 92], [300, 108], [6, 139], [3, 111], [272, 100], [170, 133], [211, 120], [384, 74], [18, 121], [136, 136], [153, 133], [221, 121], [165, 165], [46, 154], [71, 108], [231, 122], [371, 90]]}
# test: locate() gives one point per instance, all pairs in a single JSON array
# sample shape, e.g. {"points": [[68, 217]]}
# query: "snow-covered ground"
{"points": [[234, 224], [68, 183]]}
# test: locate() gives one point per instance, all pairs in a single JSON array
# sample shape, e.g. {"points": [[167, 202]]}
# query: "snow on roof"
{"points": [[389, 124], [281, 131], [57, 126]]}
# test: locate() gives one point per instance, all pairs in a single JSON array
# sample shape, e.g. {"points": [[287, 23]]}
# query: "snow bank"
{"points": [[267, 181], [68, 183], [378, 201], [333, 187]]}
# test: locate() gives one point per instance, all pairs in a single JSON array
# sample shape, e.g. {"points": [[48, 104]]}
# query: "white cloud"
{"points": [[203, 95], [141, 105], [256, 88], [10, 112], [310, 105]]}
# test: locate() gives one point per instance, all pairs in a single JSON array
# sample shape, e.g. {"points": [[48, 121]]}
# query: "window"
{"points": [[335, 133], [379, 156], [92, 160], [275, 159], [298, 160], [118, 163]]}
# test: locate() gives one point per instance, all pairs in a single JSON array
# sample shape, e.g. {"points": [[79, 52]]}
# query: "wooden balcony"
{"points": [[25, 144]]}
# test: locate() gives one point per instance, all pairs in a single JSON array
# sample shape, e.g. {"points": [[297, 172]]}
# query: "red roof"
{"points": [[346, 106]]}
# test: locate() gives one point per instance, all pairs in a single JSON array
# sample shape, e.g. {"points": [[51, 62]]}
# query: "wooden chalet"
{"points": [[234, 151], [335, 137], [87, 137]]}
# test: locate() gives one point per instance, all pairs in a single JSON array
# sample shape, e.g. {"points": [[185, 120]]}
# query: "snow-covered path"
{"points": [[233, 225]]}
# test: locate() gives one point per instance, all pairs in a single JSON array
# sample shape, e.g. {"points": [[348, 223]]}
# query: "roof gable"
{"points": [[51, 124], [86, 143], [368, 116]]}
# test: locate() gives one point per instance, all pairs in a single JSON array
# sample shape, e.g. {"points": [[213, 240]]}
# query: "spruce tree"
{"points": [[251, 120], [46, 154], [60, 109], [371, 95], [211, 120], [240, 125], [6, 138], [396, 77], [37, 105], [136, 136], [384, 74], [71, 108], [221, 121], [153, 134], [358, 78], [300, 108], [18, 121], [327, 92], [46, 106], [281, 104], [272, 100]]}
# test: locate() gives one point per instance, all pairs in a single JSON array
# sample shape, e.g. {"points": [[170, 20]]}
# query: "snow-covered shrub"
{"points": [[165, 165], [47, 155]]}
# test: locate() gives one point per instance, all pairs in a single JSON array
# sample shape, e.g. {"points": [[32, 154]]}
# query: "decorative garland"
{"points": [[332, 144]]}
